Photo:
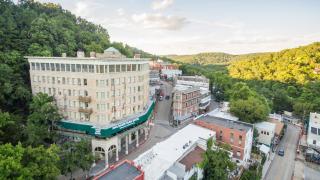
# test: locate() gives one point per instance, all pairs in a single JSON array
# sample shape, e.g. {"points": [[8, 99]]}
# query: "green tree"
{"points": [[41, 162], [251, 110], [281, 101], [216, 164], [240, 90], [5, 120], [42, 120], [10, 162], [253, 173], [76, 155], [17, 162]]}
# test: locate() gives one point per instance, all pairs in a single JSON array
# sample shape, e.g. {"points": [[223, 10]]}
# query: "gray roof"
{"points": [[239, 125], [112, 49], [123, 172]]}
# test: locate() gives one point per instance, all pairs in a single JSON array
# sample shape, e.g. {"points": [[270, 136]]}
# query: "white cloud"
{"points": [[81, 8], [161, 4], [120, 12], [159, 21]]}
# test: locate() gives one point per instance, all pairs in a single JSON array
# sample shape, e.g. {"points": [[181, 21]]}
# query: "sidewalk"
{"points": [[267, 164]]}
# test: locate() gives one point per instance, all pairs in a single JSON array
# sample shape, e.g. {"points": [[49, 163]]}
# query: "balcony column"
{"points": [[145, 133], [127, 137], [130, 138], [117, 154], [137, 138], [106, 159]]}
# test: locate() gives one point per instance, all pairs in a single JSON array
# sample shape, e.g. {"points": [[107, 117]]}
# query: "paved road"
{"points": [[311, 174], [282, 168], [161, 129]]}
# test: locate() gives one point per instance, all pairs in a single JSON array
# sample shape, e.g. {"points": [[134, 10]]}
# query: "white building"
{"points": [[222, 113], [161, 157], [154, 77], [171, 73], [103, 97], [313, 139], [266, 132], [276, 116]]}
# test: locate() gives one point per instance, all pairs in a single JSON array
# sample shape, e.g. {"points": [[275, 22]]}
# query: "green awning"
{"points": [[109, 131]]}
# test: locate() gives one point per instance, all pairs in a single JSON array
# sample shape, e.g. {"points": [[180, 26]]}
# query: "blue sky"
{"points": [[193, 26]]}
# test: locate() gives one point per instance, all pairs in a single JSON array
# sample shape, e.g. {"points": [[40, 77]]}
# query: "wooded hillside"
{"points": [[298, 65]]}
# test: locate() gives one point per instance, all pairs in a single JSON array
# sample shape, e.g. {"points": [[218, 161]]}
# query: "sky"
{"points": [[192, 26]]}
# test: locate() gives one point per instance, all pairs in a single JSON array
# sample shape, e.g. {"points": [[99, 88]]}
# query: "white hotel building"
{"points": [[103, 97]]}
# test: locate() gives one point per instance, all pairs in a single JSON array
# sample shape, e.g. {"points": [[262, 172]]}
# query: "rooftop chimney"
{"points": [[137, 56], [80, 54], [64, 55], [92, 54]]}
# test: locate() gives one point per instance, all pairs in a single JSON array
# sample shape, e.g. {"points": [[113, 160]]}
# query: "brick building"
{"points": [[237, 134], [185, 103]]}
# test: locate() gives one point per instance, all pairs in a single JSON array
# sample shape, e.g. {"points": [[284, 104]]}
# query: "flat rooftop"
{"points": [[193, 157], [222, 113], [157, 160], [185, 88], [124, 171], [92, 59], [279, 125], [193, 78], [266, 126], [228, 123]]}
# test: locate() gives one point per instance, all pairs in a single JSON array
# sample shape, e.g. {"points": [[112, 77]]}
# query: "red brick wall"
{"points": [[226, 136]]}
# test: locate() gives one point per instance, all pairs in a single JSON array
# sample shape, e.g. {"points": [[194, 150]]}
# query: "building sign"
{"points": [[125, 124]]}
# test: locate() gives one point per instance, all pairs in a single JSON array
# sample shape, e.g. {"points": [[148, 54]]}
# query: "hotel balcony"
{"points": [[85, 99], [85, 110]]}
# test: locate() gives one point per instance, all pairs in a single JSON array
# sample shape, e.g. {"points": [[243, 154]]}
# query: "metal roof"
{"points": [[123, 171], [112, 49], [157, 160], [228, 123]]}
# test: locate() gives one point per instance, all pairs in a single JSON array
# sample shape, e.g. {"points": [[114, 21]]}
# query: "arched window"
{"points": [[113, 147]]}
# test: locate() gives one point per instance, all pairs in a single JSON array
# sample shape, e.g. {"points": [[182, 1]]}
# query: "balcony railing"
{"points": [[85, 99], [85, 110]]}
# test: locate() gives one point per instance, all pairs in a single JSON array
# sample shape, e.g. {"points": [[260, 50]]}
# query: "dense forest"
{"points": [[28, 141], [203, 58], [298, 65], [291, 83], [211, 58]]}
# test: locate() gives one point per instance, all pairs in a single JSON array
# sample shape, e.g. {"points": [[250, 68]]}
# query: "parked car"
{"points": [[281, 152], [167, 97], [160, 98]]}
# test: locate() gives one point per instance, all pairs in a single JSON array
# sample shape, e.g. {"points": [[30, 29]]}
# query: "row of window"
{"points": [[99, 95], [185, 111], [60, 80], [232, 138], [84, 81], [118, 81], [190, 95], [102, 117], [191, 103], [265, 133], [87, 68], [314, 130]]}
